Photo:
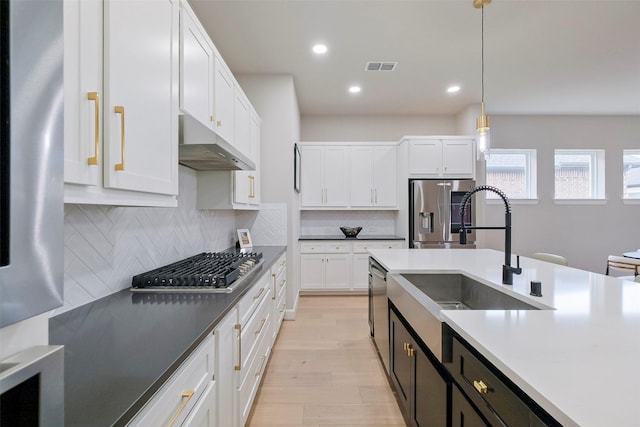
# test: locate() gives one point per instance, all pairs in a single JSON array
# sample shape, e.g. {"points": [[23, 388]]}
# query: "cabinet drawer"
{"points": [[364, 247], [181, 392], [253, 331], [325, 247], [250, 383], [204, 413], [254, 297], [492, 396]]}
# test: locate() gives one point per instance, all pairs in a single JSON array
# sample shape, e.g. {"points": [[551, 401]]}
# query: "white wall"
{"points": [[373, 128], [585, 234], [274, 98]]}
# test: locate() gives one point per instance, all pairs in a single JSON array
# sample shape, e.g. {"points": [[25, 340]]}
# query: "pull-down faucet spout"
{"points": [[507, 270]]}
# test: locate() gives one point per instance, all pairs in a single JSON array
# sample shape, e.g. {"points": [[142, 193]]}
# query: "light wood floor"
{"points": [[324, 370]]}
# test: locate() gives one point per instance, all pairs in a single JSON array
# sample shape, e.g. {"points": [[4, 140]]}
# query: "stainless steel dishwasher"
{"points": [[379, 310]]}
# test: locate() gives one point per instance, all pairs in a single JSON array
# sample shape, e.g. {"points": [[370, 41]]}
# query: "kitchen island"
{"points": [[575, 357]]}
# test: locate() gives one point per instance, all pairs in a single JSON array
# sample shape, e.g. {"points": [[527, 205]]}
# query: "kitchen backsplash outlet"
{"points": [[329, 222], [104, 246]]}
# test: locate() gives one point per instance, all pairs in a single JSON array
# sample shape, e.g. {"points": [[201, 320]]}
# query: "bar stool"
{"points": [[556, 259]]}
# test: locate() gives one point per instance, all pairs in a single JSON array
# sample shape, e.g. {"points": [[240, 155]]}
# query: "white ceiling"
{"points": [[541, 56]]}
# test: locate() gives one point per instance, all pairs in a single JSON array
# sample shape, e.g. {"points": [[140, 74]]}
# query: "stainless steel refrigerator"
{"points": [[434, 213], [31, 158]]}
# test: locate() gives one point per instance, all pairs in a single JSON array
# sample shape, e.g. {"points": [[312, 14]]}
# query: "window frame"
{"points": [[596, 175], [628, 152], [531, 175]]}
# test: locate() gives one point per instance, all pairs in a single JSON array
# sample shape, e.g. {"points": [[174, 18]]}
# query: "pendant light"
{"points": [[483, 135]]}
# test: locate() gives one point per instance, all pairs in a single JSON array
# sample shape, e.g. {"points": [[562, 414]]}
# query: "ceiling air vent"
{"points": [[380, 66]]}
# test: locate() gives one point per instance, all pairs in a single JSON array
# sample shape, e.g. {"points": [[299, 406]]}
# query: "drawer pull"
{"points": [[119, 109], [93, 96], [405, 346], [261, 326], [481, 387], [273, 275], [186, 396], [259, 293], [283, 307], [409, 350], [284, 282], [238, 327], [259, 371]]}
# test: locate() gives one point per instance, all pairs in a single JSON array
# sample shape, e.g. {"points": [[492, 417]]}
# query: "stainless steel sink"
{"points": [[458, 292], [421, 297]]}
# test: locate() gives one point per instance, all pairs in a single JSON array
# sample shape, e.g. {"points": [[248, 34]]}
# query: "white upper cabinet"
{"points": [[242, 122], [223, 101], [374, 176], [83, 92], [134, 111], [246, 185], [324, 176], [442, 157], [196, 69]]}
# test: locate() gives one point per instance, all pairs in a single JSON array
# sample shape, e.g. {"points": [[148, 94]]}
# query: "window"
{"points": [[631, 179], [579, 174], [512, 171]]}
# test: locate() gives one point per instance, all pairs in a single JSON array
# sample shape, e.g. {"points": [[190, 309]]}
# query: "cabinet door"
{"points": [[254, 154], [204, 413], [400, 362], [243, 186], [241, 122], [196, 69], [425, 157], [360, 272], [141, 105], [312, 188], [337, 271], [227, 339], [385, 175], [462, 413], [336, 177], [312, 271], [362, 182], [458, 158], [430, 392], [82, 92], [223, 96]]}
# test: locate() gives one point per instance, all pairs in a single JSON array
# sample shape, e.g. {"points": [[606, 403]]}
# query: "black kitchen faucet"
{"points": [[507, 269]]}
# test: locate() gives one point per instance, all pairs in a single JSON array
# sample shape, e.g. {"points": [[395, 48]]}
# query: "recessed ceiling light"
{"points": [[355, 89], [453, 89], [319, 49]]}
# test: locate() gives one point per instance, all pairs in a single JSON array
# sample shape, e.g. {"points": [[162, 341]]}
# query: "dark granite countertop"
{"points": [[342, 237], [120, 349]]}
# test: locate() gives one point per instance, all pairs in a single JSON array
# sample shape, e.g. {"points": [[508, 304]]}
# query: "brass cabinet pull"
{"points": [[259, 371], [212, 118], [481, 387], [218, 123], [405, 346], [284, 282], [93, 96], [186, 396], [262, 322], [119, 109], [252, 187], [410, 351], [259, 293], [238, 327], [273, 276]]}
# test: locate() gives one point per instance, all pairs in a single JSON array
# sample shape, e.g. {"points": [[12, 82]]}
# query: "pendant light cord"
{"points": [[482, 53]]}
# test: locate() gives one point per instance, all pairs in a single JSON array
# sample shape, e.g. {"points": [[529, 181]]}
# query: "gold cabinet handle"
{"points": [[405, 346], [119, 109], [259, 371], [284, 305], [93, 96], [262, 322], [284, 282], [273, 276], [238, 328], [212, 118], [218, 123], [410, 351], [259, 293], [186, 397], [252, 188], [481, 387]]}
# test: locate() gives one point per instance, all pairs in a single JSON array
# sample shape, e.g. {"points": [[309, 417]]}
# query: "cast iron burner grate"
{"points": [[205, 272]]}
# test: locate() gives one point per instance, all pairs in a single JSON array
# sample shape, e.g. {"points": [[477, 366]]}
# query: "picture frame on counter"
{"points": [[297, 160], [244, 238]]}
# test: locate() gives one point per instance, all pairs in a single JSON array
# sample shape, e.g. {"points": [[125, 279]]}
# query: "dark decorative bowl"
{"points": [[350, 231]]}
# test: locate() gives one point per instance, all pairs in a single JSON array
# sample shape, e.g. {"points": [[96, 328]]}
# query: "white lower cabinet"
{"points": [[174, 401], [204, 413], [338, 266]]}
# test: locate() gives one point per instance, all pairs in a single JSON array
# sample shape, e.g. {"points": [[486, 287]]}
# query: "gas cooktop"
{"points": [[220, 272]]}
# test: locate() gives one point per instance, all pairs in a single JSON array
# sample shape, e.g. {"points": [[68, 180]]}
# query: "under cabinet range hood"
{"points": [[203, 150]]}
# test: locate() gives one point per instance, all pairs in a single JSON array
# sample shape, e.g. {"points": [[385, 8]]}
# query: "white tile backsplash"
{"points": [[268, 226], [329, 222], [106, 245]]}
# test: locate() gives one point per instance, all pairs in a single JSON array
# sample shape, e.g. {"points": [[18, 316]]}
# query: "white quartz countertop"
{"points": [[579, 360]]}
